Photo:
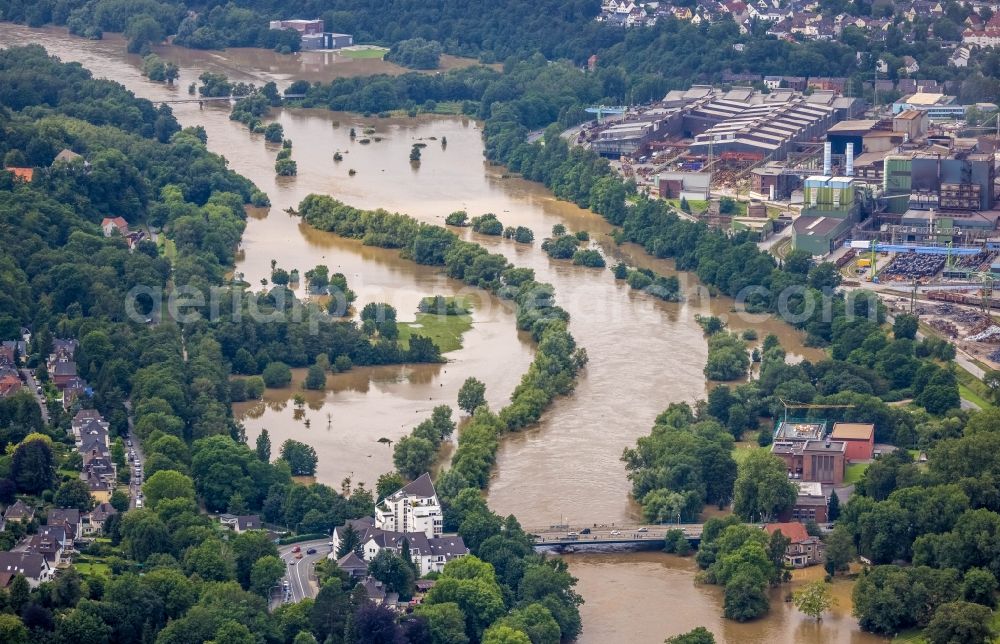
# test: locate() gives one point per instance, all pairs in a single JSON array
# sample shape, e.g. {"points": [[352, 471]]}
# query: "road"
{"points": [[135, 483], [610, 534], [301, 581], [33, 386]]}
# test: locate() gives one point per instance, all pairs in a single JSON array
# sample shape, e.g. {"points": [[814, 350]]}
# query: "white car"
{"points": [[616, 533], [138, 503]]}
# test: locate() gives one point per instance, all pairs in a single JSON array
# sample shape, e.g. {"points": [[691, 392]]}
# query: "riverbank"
{"points": [[644, 353]]}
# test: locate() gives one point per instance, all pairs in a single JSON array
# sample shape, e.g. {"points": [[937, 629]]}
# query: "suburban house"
{"points": [[811, 504], [412, 515], [430, 555], [94, 522], [414, 508], [241, 523], [353, 565], [22, 174], [70, 519], [90, 433], [112, 224], [100, 490], [10, 382], [859, 439], [67, 156], [803, 550], [18, 511], [33, 566], [378, 594], [50, 542]]}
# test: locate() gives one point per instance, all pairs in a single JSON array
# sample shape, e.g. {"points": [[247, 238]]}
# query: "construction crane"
{"points": [[787, 405]]}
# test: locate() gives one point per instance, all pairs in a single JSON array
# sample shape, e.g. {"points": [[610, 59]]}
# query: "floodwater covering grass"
{"points": [[444, 330]]}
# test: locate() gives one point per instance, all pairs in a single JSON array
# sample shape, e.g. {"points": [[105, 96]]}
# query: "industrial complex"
{"points": [[900, 197]]}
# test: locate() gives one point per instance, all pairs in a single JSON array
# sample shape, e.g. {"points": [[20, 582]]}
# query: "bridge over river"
{"points": [[600, 534], [205, 99]]}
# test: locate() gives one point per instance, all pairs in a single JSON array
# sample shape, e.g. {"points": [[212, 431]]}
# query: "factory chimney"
{"points": [[827, 159], [849, 165]]}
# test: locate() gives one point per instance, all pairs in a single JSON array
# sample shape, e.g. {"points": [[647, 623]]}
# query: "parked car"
{"points": [[138, 503]]}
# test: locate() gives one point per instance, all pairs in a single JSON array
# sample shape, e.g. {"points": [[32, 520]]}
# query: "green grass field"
{"points": [[444, 330], [368, 52], [695, 204], [740, 452], [973, 389], [167, 247], [93, 569], [855, 472]]}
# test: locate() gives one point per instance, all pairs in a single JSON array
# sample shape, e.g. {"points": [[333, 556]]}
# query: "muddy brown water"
{"points": [[644, 353]]}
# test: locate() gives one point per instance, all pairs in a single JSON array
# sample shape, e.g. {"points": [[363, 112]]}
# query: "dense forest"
{"points": [[634, 65]]}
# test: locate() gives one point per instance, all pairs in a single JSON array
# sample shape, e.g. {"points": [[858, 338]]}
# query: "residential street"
{"points": [[301, 581], [135, 483], [29, 378]]}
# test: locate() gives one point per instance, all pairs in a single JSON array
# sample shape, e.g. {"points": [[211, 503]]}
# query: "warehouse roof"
{"points": [[853, 431], [853, 126]]}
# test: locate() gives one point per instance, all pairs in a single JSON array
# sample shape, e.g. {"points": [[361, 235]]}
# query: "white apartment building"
{"points": [[414, 508]]}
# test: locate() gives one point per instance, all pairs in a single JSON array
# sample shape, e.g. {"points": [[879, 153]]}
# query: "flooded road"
{"points": [[644, 353]]}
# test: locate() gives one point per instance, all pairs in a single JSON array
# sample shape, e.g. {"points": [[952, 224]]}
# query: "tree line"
{"points": [[64, 279]]}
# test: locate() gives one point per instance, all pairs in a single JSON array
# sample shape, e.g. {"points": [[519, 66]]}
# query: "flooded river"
{"points": [[646, 597], [644, 353]]}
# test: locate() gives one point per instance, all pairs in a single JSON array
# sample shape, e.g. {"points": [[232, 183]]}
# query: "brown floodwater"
{"points": [[646, 597], [644, 353]]}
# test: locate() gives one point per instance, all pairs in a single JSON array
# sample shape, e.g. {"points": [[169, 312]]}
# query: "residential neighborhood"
{"points": [[411, 516]]}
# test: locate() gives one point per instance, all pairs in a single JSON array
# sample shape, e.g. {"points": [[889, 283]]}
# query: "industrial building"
{"points": [[740, 122], [859, 438], [304, 27], [772, 182], [692, 186], [938, 107], [830, 209], [314, 35], [821, 461], [629, 136], [962, 182], [866, 135], [767, 129]]}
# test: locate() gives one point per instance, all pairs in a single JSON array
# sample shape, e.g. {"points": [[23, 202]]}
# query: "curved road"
{"points": [[299, 572]]}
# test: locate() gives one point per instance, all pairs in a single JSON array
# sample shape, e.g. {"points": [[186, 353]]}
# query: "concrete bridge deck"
{"points": [[610, 534]]}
